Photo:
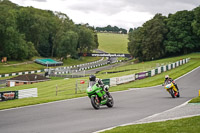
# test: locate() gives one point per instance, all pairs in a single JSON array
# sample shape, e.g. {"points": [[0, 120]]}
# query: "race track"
{"points": [[78, 116]]}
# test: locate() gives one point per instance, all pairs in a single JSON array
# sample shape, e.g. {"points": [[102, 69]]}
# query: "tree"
{"points": [[180, 38], [135, 43], [12, 43], [146, 43], [86, 40], [130, 30], [67, 44], [154, 34], [196, 27]]}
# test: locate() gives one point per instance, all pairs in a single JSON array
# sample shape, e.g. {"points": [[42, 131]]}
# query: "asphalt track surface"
{"points": [[78, 116]]}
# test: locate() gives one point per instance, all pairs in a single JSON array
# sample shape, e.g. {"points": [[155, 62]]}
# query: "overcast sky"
{"points": [[122, 13]]}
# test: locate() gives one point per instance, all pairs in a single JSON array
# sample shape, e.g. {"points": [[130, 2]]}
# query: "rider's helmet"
{"points": [[166, 76], [92, 78]]}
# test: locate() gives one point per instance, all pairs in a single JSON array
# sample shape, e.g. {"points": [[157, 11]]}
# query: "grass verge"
{"points": [[186, 125], [195, 100]]}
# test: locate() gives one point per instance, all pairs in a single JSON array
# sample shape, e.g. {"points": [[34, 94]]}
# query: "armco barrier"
{"points": [[119, 80]]}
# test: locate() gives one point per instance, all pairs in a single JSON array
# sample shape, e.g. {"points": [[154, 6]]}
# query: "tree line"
{"points": [[111, 29], [162, 36], [26, 32]]}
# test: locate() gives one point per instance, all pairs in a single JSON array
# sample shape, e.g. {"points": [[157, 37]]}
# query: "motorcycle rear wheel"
{"points": [[95, 103], [110, 102]]}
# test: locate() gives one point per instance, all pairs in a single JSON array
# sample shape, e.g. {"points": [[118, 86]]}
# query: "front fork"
{"points": [[174, 88]]}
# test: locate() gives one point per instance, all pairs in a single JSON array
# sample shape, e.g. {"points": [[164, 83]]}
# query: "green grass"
{"points": [[113, 43], [47, 90], [195, 100], [4, 69], [186, 125]]}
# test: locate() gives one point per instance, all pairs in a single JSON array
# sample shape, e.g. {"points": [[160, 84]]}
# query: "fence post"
{"points": [[76, 87]]}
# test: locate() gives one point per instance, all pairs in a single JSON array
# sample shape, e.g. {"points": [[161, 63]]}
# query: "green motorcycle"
{"points": [[99, 96]]}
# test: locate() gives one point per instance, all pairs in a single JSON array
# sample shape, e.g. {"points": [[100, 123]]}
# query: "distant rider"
{"points": [[168, 79]]}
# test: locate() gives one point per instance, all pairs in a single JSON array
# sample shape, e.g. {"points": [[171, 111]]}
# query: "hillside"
{"points": [[113, 43]]}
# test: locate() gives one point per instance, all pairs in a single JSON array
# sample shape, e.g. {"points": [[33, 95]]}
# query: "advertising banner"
{"points": [[8, 95], [153, 72], [164, 68], [177, 63], [125, 79], [183, 61], [106, 81], [33, 92], [141, 75], [173, 65], [113, 81], [159, 69], [169, 67], [105, 55]]}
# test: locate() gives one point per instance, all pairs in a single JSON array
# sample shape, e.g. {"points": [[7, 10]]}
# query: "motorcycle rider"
{"points": [[168, 79], [93, 80]]}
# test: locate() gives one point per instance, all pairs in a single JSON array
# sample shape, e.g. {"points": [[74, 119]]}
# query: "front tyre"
{"points": [[172, 93], [95, 102], [178, 95], [110, 102]]}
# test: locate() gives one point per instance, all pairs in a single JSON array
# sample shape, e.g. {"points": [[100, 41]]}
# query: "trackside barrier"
{"points": [[113, 81], [106, 81], [26, 93], [8, 95], [142, 75], [21, 73], [125, 79], [128, 78]]}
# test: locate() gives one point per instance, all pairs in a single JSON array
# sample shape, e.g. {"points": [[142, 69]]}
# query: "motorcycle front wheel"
{"points": [[178, 94], [95, 102], [172, 93]]}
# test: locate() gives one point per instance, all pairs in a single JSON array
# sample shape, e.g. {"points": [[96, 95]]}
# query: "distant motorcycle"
{"points": [[99, 96], [171, 88]]}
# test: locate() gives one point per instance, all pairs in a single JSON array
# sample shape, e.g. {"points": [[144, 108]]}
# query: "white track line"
{"points": [[154, 115], [157, 113], [187, 73]]}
